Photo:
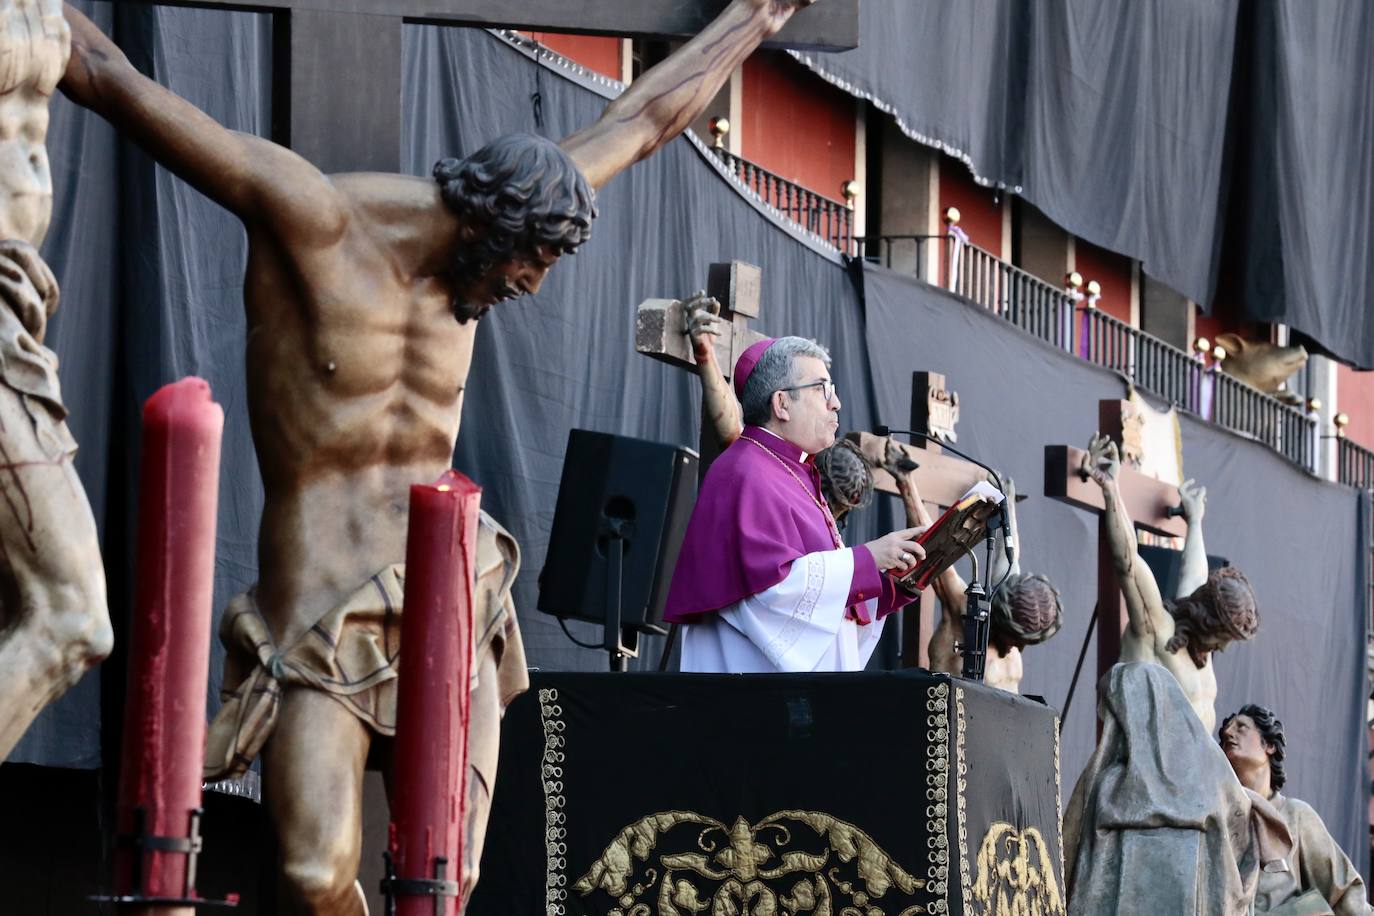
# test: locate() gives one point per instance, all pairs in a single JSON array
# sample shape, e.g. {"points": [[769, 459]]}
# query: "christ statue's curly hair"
{"points": [[517, 193], [1224, 608], [846, 477], [1025, 611]]}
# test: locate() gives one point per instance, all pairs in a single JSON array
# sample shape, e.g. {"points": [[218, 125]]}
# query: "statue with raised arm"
{"points": [[1211, 611], [846, 477], [1025, 609], [54, 623], [362, 294]]}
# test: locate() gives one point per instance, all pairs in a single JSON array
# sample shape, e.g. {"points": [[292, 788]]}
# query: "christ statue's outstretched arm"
{"points": [[1194, 571], [1149, 621], [262, 183], [661, 103]]}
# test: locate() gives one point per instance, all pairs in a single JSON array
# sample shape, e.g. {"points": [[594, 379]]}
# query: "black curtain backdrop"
{"points": [[1140, 124], [152, 280]]}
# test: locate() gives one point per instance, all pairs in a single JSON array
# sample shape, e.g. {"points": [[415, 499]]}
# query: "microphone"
{"points": [[1007, 543]]}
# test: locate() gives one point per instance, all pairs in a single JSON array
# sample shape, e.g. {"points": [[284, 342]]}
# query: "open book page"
{"points": [[954, 534]]}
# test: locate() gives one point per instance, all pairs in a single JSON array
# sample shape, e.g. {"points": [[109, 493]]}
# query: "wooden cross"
{"points": [[941, 478], [337, 92], [1151, 504], [660, 331]]}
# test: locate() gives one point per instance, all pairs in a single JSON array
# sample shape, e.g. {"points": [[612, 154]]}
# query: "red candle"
{"points": [[430, 799], [169, 641]]}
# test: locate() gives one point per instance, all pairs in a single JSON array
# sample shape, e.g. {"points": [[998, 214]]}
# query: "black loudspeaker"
{"points": [[1166, 564], [621, 495]]}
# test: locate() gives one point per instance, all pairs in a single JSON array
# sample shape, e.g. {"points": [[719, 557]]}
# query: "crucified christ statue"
{"points": [[1025, 608], [54, 624], [362, 296], [1210, 611]]}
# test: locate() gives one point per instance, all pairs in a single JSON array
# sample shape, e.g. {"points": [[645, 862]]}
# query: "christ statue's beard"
{"points": [[467, 311]]}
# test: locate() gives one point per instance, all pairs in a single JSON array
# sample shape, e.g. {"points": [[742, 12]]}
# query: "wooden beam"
{"points": [[943, 478], [1147, 500], [831, 25], [343, 96]]}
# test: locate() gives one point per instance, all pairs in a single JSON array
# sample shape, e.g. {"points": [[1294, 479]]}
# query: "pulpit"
{"points": [[885, 794]]}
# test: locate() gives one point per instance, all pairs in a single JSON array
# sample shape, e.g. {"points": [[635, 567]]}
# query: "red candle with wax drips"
{"points": [[169, 641], [429, 805]]}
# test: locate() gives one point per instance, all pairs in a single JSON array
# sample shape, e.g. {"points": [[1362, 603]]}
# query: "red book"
{"points": [[954, 534]]}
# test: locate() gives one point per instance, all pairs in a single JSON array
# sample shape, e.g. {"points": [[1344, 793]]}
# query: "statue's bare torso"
{"points": [[356, 368], [1199, 684]]}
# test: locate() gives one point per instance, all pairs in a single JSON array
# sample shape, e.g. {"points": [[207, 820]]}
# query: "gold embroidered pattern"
{"points": [[1015, 875], [937, 794], [789, 863], [555, 833], [961, 789], [1059, 802]]}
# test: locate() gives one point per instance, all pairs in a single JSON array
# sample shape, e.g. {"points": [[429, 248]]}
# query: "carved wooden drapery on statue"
{"points": [[49, 555]]}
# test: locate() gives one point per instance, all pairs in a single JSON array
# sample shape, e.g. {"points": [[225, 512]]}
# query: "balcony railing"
{"points": [[1060, 318], [1354, 466], [832, 220]]}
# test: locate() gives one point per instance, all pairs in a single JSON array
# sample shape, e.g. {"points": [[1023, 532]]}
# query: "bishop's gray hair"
{"points": [[776, 370]]}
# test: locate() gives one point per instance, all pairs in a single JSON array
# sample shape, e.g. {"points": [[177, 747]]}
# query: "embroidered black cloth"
{"points": [[772, 793]]}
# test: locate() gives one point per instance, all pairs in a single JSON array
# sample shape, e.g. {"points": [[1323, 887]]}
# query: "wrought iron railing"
{"points": [[832, 220], [1066, 320], [896, 251], [1354, 464]]}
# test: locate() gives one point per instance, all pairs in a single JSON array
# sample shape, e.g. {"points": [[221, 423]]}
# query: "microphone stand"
{"points": [[977, 604], [977, 614]]}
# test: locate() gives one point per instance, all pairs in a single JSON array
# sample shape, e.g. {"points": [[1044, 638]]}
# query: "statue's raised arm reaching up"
{"points": [[1181, 635]]}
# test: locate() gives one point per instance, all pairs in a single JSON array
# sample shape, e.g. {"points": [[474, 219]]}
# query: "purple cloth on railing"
{"points": [[1208, 395]]}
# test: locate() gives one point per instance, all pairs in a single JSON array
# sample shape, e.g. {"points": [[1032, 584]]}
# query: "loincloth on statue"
{"points": [[29, 370], [352, 654]]}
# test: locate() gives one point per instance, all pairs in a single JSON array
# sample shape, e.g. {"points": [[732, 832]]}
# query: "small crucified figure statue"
{"points": [[362, 296], [1025, 609], [846, 478], [1210, 611]]}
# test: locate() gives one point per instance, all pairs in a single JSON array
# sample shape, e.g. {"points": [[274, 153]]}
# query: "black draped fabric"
{"points": [[791, 793], [1297, 538], [1156, 127], [565, 358], [1308, 202], [951, 74], [1108, 116]]}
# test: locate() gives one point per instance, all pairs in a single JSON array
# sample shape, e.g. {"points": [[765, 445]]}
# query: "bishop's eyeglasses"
{"points": [[827, 387]]}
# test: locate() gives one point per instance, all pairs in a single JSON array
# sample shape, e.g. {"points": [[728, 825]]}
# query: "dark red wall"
{"points": [[594, 52], [797, 125], [1113, 271]]}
